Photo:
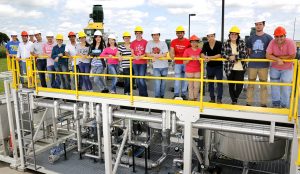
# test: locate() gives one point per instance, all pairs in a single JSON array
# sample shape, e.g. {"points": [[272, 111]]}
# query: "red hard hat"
{"points": [[71, 33], [24, 33], [279, 31], [194, 38]]}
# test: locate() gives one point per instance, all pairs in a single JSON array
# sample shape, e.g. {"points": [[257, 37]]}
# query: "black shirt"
{"points": [[206, 50]]}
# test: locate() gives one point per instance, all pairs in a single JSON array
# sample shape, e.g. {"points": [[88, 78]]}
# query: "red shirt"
{"points": [[193, 65], [179, 47], [139, 48]]}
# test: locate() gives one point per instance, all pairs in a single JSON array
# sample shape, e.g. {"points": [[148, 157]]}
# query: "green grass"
{"points": [[3, 67]]}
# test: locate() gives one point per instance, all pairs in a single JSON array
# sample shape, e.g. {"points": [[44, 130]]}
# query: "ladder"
{"points": [[27, 129]]}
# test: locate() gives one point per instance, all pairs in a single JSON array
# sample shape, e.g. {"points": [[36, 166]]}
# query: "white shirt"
{"points": [[24, 50], [37, 48], [71, 49]]}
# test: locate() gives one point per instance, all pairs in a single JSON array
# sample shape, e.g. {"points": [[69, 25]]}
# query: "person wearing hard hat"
{"points": [[12, 46], [138, 48], [47, 50], [31, 36], [113, 63], [234, 50], [124, 50], [84, 64], [257, 45], [214, 69], [61, 63], [37, 52], [193, 67], [156, 50], [98, 64], [23, 53], [280, 49], [70, 52], [177, 48]]}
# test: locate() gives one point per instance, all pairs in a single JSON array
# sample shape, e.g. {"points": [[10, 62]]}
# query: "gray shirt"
{"points": [[158, 48], [84, 51], [258, 46], [37, 48]]}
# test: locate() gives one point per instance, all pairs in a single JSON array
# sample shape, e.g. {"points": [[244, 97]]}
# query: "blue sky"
{"points": [[62, 16]]}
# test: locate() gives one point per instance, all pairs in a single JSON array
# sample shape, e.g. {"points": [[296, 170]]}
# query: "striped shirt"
{"points": [[124, 52]]}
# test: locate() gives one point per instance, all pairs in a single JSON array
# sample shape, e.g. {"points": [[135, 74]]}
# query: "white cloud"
{"points": [[160, 18], [17, 13], [242, 13], [32, 3]]}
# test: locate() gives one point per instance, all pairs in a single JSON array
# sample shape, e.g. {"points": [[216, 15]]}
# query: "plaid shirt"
{"points": [[227, 52]]}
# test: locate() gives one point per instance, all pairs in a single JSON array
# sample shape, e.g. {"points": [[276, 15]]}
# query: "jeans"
{"points": [[140, 70], [54, 78], [23, 70], [126, 71], [262, 74], [194, 86], [235, 89], [41, 65], [79, 78], [213, 72], [99, 81], [281, 95], [64, 78], [85, 68], [160, 85], [180, 73], [113, 69]]}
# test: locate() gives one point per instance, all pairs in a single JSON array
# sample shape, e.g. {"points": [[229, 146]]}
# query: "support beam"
{"points": [[187, 154]]}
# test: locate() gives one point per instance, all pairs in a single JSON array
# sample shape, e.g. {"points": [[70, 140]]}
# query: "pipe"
{"points": [[99, 130], [164, 125], [91, 110], [17, 112], [159, 161], [207, 142], [135, 116], [10, 118], [174, 128], [78, 134], [120, 151], [129, 129], [110, 115], [196, 150], [54, 119], [91, 156], [84, 106]]}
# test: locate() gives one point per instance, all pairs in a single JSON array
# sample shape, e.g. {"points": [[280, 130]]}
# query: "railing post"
{"points": [[201, 83], [131, 81], [297, 95], [76, 80], [293, 90], [35, 75]]}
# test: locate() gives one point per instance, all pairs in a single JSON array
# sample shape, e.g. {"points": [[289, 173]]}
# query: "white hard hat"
{"points": [[49, 34], [112, 36], [13, 33], [30, 32], [210, 31], [98, 33], [259, 19], [155, 31], [37, 32]]}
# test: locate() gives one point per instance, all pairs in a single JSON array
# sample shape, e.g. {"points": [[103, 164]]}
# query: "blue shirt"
{"points": [[258, 46], [57, 50], [12, 47]]}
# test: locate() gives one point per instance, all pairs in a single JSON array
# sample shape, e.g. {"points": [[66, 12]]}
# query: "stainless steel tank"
{"points": [[249, 147]]}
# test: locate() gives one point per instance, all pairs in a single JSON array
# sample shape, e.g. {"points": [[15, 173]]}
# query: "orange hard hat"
{"points": [[71, 33], [24, 33], [194, 38], [279, 31]]}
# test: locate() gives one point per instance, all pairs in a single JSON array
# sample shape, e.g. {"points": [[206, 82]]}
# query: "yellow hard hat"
{"points": [[126, 34], [235, 29], [59, 36], [180, 28], [81, 34], [138, 28]]}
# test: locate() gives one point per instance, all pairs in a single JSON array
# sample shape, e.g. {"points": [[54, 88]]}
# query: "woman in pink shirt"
{"points": [[113, 64], [192, 67]]}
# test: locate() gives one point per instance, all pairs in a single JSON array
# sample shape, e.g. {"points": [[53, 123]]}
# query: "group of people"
{"points": [[95, 57]]}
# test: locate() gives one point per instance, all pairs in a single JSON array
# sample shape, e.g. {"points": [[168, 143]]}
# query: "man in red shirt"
{"points": [[138, 48], [178, 46]]}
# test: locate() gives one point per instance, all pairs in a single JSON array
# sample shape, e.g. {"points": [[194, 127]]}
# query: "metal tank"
{"points": [[249, 148]]}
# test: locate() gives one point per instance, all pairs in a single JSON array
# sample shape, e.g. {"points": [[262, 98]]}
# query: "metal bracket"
{"points": [[191, 115]]}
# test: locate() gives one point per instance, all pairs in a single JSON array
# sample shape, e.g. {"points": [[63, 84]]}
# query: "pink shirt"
{"points": [[109, 51], [47, 49], [287, 49], [139, 48], [193, 65]]}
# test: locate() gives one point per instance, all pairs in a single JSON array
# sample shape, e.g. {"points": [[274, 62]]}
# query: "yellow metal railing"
{"points": [[32, 75]]}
